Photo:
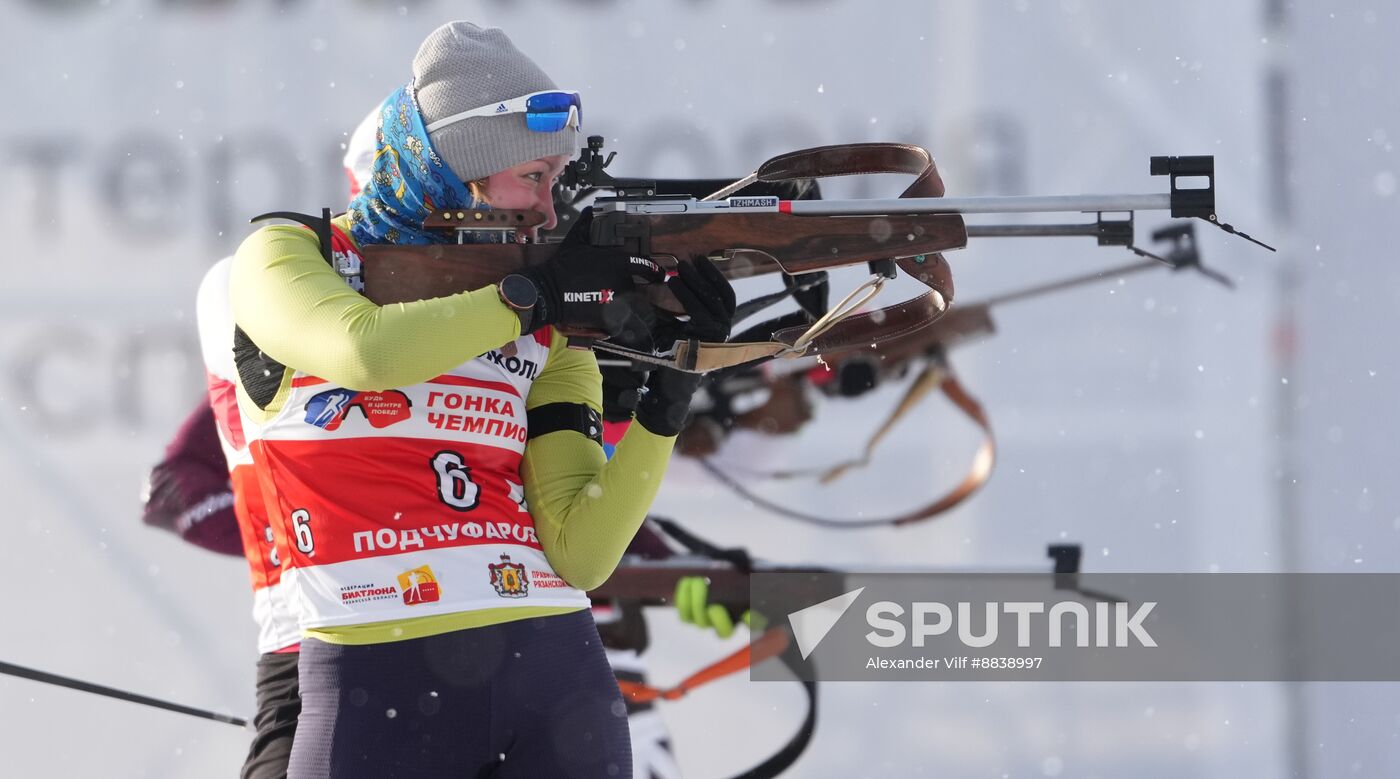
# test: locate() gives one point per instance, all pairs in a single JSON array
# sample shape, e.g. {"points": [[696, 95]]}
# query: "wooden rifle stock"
{"points": [[653, 583], [893, 356], [400, 274], [743, 244]]}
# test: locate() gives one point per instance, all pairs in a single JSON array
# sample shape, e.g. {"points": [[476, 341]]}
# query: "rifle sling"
{"points": [[860, 330], [977, 474], [771, 643]]}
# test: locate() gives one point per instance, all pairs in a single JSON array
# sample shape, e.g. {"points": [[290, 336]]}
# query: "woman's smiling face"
{"points": [[527, 186]]}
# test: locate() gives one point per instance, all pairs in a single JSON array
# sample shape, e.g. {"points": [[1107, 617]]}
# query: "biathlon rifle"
{"points": [[727, 572], [927, 350], [749, 235]]}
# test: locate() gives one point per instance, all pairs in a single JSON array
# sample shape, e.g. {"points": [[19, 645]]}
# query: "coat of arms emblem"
{"points": [[509, 578]]}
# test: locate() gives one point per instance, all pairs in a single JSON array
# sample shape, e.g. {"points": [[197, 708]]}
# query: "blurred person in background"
{"points": [[496, 664], [205, 490]]}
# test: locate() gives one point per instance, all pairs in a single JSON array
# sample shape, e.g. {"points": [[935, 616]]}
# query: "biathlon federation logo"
{"points": [[509, 578], [419, 585]]}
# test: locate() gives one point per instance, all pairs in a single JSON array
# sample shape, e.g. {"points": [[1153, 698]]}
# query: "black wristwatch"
{"points": [[520, 295]]}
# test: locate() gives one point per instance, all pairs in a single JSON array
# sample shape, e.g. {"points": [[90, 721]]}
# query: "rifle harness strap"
{"points": [[771, 643], [841, 329], [935, 374], [736, 556]]}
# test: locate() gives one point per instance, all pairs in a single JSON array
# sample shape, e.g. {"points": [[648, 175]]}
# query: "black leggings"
{"points": [[533, 698], [276, 721]]}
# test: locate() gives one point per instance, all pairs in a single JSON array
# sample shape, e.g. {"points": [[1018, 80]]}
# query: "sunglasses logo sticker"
{"points": [[327, 410]]}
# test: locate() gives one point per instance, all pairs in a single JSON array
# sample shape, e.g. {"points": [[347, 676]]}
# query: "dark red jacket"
{"points": [[188, 491]]}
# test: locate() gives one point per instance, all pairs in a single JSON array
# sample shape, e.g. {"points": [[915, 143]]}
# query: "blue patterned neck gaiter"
{"points": [[407, 182]]}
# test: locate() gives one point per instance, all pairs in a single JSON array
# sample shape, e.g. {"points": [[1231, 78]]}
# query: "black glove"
{"points": [[591, 287], [707, 298], [622, 388], [709, 302]]}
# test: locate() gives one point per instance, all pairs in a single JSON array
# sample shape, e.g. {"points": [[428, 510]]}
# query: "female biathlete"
{"points": [[432, 469]]}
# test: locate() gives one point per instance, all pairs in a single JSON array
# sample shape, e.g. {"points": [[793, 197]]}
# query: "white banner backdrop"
{"points": [[139, 137]]}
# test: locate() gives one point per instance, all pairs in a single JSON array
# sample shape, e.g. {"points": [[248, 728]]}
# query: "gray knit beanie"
{"points": [[460, 67]]}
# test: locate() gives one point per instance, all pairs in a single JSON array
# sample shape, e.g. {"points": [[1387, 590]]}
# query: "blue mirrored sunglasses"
{"points": [[545, 112]]}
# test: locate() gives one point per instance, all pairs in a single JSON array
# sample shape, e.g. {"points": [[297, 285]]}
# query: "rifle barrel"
{"points": [[1031, 231], [1011, 204]]}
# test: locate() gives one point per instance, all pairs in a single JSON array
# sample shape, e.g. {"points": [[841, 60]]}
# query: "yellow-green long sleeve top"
{"points": [[586, 508]]}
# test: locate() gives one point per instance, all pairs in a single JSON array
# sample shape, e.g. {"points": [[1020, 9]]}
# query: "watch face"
{"points": [[518, 291]]}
